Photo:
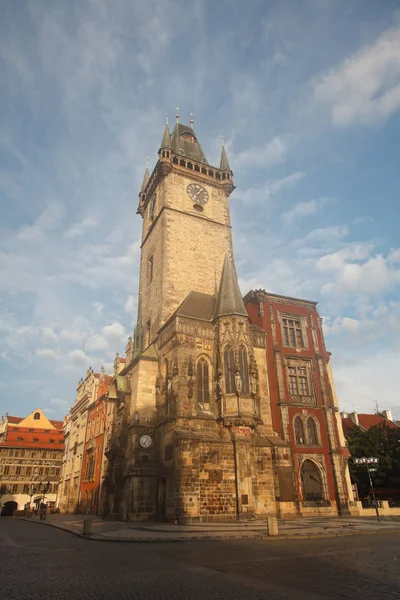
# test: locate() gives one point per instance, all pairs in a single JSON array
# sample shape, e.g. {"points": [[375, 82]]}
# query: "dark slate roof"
{"points": [[229, 299], [198, 306], [166, 139], [224, 165], [192, 150]]}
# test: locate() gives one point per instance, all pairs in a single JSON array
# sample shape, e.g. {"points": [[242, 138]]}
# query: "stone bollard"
{"points": [[272, 525], [87, 527]]}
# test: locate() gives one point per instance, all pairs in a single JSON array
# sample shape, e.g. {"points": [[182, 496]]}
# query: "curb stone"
{"points": [[96, 537]]}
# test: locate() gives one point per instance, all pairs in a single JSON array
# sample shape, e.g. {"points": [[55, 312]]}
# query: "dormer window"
{"points": [[36, 416], [188, 137], [182, 152]]}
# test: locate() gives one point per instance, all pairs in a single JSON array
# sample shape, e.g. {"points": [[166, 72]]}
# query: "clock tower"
{"points": [[186, 227], [192, 435]]}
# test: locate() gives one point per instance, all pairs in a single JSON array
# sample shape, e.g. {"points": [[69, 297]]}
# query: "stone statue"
{"points": [[253, 384], [190, 385], [238, 382]]}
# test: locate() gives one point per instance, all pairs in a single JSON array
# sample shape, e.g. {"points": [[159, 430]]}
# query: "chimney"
{"points": [[354, 417]]}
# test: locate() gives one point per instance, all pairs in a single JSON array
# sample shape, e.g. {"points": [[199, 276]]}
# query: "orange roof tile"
{"points": [[368, 421], [348, 426]]}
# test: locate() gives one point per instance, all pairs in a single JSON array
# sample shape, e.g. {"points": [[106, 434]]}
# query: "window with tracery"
{"points": [[298, 381], [292, 333], [299, 431], [229, 370], [203, 384], [244, 369], [312, 436]]}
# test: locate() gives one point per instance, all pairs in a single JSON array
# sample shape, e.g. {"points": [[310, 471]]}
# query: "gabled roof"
{"points": [[229, 298], [368, 421]]}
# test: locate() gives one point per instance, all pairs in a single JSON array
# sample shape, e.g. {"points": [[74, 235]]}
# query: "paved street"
{"points": [[45, 563]]}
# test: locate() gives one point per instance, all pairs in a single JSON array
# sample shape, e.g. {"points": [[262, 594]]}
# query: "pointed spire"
{"points": [[224, 165], [146, 177], [229, 298], [166, 139], [191, 121]]}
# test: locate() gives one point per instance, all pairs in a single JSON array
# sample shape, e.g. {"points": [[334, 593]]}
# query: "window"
{"points": [[244, 369], [312, 437], [26, 488], [292, 333], [35, 439], [148, 327], [6, 470], [18, 471], [44, 455], [90, 467], [22, 453], [46, 471], [11, 453], [16, 453], [33, 454], [28, 470], [14, 488], [36, 416], [203, 388], [229, 368], [152, 206], [54, 455], [150, 270], [299, 431], [298, 381], [311, 479]]}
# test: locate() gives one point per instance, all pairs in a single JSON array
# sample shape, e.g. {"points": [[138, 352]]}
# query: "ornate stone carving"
{"points": [[238, 383]]}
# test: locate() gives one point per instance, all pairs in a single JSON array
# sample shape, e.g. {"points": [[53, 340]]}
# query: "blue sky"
{"points": [[307, 96]]}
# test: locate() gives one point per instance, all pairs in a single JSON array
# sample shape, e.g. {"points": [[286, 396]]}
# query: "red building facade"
{"points": [[93, 454], [303, 401]]}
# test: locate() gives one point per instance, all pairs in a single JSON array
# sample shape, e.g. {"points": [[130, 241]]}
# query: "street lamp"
{"points": [[370, 461]]}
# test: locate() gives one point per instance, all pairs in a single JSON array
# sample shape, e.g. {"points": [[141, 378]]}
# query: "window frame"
{"points": [[229, 369], [290, 339]]}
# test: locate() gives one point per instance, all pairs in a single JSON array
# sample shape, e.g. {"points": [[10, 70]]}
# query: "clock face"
{"points": [[145, 441], [197, 193]]}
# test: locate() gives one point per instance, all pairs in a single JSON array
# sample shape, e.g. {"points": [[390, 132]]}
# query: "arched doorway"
{"points": [[9, 508], [313, 489]]}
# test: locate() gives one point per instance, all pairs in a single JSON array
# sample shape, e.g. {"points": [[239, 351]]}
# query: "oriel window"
{"points": [[244, 369], [229, 370], [203, 389]]}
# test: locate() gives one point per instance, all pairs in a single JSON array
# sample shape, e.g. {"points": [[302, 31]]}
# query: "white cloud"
{"points": [[49, 336], [81, 227], [79, 358], [46, 353], [112, 338], [271, 188], [301, 210], [130, 304], [271, 153], [365, 88]]}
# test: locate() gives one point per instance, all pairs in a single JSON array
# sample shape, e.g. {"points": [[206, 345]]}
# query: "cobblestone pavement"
{"points": [[47, 563]]}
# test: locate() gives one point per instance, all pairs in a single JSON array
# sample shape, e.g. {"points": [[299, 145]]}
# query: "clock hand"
{"points": [[195, 196]]}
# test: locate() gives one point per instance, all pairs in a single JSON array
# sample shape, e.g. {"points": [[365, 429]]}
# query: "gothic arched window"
{"points": [[229, 370], [312, 437], [313, 489], [203, 385], [298, 431], [244, 369]]}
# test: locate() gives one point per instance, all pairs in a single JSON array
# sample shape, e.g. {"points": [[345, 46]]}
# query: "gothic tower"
{"points": [[193, 437], [186, 226]]}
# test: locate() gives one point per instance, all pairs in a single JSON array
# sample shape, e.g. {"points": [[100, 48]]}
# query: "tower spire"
{"points": [[166, 139], [146, 177], [229, 298], [224, 164], [191, 121]]}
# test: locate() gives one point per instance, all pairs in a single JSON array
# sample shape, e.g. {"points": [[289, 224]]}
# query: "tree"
{"points": [[380, 441]]}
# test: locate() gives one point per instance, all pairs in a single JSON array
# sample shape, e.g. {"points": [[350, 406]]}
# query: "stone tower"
{"points": [[193, 437], [186, 227]]}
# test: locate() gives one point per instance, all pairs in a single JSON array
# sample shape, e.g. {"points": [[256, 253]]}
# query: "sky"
{"points": [[307, 97]]}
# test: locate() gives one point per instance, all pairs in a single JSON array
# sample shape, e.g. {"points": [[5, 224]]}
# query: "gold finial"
{"points": [[223, 141], [147, 163], [191, 121], [166, 120], [177, 114]]}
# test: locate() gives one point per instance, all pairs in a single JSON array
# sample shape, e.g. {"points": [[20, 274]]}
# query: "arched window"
{"points": [[36, 416], [298, 431], [244, 369], [311, 482], [229, 369], [203, 385], [312, 436]]}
